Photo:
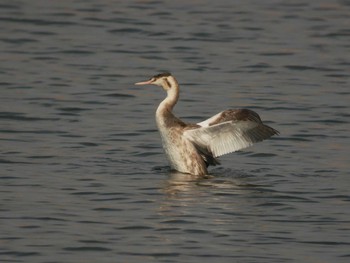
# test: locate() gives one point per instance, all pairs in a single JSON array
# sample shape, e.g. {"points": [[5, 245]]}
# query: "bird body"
{"points": [[191, 148]]}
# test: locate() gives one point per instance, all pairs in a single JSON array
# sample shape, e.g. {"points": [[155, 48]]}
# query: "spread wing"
{"points": [[229, 131]]}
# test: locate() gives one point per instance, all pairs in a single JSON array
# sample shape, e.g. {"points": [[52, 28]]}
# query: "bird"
{"points": [[191, 147]]}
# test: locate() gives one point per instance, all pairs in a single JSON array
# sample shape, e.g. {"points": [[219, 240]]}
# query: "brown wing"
{"points": [[231, 115]]}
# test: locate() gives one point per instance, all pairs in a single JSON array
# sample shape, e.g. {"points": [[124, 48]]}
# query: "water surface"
{"points": [[83, 176]]}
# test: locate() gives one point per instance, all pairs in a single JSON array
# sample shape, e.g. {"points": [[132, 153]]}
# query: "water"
{"points": [[83, 176]]}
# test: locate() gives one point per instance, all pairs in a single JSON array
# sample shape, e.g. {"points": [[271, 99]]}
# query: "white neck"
{"points": [[169, 102]]}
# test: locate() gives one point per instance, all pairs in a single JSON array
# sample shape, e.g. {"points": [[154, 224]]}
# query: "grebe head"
{"points": [[164, 80]]}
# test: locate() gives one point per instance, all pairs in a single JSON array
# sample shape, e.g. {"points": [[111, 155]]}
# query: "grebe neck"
{"points": [[167, 105]]}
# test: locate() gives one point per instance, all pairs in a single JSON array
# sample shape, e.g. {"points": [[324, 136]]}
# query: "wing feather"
{"points": [[230, 131]]}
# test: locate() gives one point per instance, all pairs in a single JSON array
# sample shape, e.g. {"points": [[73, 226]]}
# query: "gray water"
{"points": [[83, 176]]}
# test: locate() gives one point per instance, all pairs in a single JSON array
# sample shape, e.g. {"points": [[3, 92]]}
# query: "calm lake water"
{"points": [[83, 176]]}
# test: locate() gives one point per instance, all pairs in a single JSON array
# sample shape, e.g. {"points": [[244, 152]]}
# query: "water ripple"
{"points": [[83, 175]]}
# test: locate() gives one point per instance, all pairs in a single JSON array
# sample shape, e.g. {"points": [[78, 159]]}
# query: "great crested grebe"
{"points": [[191, 148]]}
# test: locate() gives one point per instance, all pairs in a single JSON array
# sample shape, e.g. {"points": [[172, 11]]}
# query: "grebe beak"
{"points": [[145, 82]]}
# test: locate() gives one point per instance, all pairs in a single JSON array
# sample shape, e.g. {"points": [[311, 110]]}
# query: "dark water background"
{"points": [[83, 177]]}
